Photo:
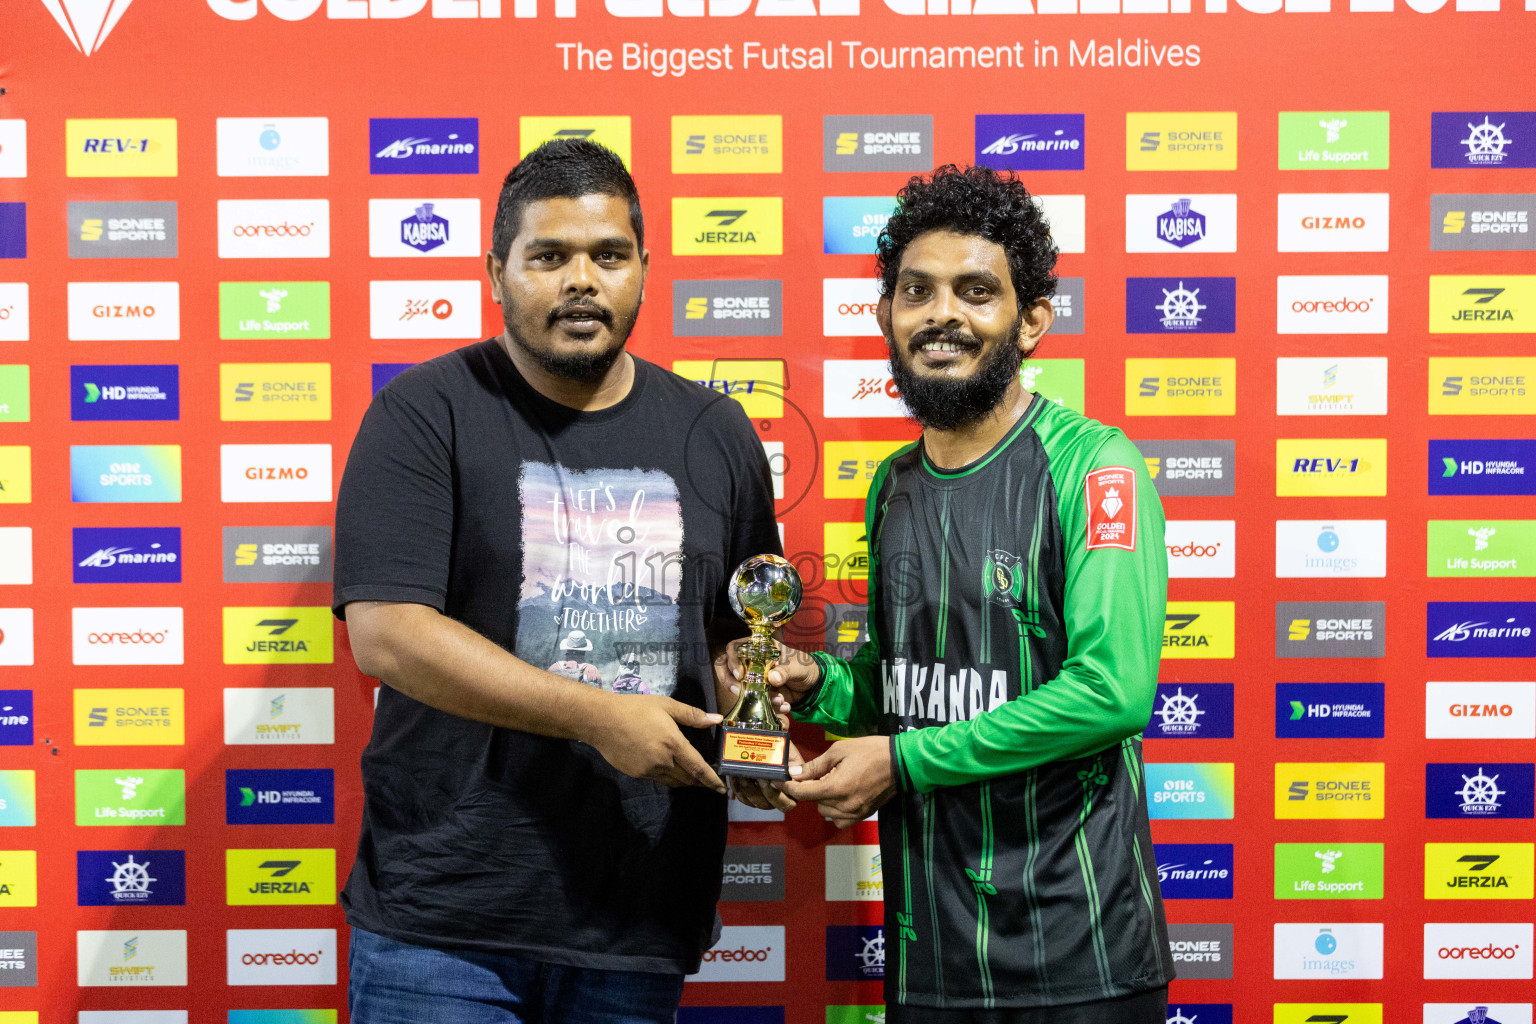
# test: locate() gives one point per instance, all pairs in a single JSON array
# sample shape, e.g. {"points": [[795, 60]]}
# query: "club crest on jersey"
{"points": [[1004, 578], [1111, 497]]}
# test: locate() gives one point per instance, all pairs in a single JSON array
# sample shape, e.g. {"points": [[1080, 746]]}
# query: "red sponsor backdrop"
{"points": [[185, 60]]}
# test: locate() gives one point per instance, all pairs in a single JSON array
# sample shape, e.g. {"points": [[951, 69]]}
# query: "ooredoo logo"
{"points": [[1331, 304], [1201, 548], [753, 953], [848, 307], [281, 956], [274, 228], [127, 636], [1477, 950]]}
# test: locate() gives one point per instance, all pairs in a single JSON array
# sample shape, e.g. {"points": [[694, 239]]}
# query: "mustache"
{"points": [[952, 335], [583, 307]]}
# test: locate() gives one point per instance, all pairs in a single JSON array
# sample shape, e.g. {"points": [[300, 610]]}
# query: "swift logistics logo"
{"points": [[612, 132], [273, 147], [265, 310], [143, 147], [131, 878], [1482, 304], [1335, 140], [1201, 951], [1482, 222], [1190, 791], [1180, 305], [1330, 629], [1195, 871], [1480, 711], [727, 144], [278, 717], [1484, 139], [279, 796], [888, 143], [1479, 628], [1181, 387], [1190, 468], [277, 554], [1332, 222], [1330, 710], [423, 145], [1482, 386], [263, 878], [728, 226], [1504, 467], [1479, 790], [1330, 549], [124, 392], [130, 796], [125, 473], [266, 392], [1481, 950], [124, 310], [131, 959], [1478, 871], [137, 230], [854, 873], [1330, 951], [1329, 871], [278, 636], [1031, 142], [1199, 629], [1205, 712], [727, 309], [1329, 790], [424, 227], [1181, 141], [130, 718], [1481, 548], [1181, 223], [1331, 386], [1330, 467], [852, 224]]}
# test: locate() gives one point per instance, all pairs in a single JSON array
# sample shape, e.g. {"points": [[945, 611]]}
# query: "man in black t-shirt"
{"points": [[533, 535]]}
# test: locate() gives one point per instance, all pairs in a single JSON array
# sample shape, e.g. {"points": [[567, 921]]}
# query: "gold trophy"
{"points": [[765, 593]]}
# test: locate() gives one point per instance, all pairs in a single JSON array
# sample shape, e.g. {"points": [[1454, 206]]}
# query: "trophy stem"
{"points": [[754, 705]]}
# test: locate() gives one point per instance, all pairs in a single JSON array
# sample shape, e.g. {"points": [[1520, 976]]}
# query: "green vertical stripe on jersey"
{"points": [[902, 925], [983, 938], [943, 636], [1031, 860], [1090, 879], [933, 900]]}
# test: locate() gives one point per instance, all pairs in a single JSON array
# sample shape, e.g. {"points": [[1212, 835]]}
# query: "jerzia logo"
{"points": [[728, 226]]}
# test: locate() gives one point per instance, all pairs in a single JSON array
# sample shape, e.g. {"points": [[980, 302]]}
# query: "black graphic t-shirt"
{"points": [[595, 545]]}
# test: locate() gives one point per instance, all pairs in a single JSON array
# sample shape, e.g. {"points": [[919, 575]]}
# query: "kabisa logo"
{"points": [[727, 144], [279, 796], [1331, 710], [1505, 467], [424, 145], [279, 877], [123, 717], [124, 392], [1481, 547], [1481, 629], [728, 226], [1480, 950], [1334, 140], [1181, 225], [1189, 790], [1482, 222], [1482, 304], [15, 721], [1481, 386], [119, 230], [1330, 790], [1328, 950], [852, 224], [890, 143], [1189, 223], [1199, 629], [1486, 139], [1195, 871], [277, 636], [1181, 141], [424, 230], [1480, 710], [1205, 712], [855, 953], [424, 227], [1478, 871], [131, 878], [1201, 951], [1180, 305], [1329, 871], [1033, 142], [1461, 1013], [727, 309], [142, 147], [1330, 629], [1479, 790]]}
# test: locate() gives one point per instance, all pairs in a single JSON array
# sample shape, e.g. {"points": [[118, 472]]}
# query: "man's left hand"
{"points": [[850, 781]]}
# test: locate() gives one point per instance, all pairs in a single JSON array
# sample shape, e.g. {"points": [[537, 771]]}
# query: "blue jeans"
{"points": [[397, 983]]}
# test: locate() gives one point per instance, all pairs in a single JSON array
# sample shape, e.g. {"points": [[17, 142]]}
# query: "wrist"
{"points": [[589, 716]]}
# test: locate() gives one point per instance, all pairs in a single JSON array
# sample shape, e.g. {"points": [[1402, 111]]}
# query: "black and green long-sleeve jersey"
{"points": [[1016, 619]]}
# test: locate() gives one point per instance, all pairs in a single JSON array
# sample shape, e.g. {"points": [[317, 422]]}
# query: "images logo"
{"points": [[1195, 871], [86, 26], [124, 311], [750, 953], [1482, 547], [727, 309], [273, 147], [279, 877], [120, 148], [1333, 710], [727, 145], [753, 874], [275, 472], [15, 712], [1483, 304], [1477, 950], [1199, 629], [125, 473], [1330, 629], [1481, 790], [855, 952], [424, 145], [892, 143], [1181, 141], [274, 228], [1488, 638], [1031, 142], [1333, 790], [1330, 467], [1201, 548], [1331, 386], [851, 224], [424, 227], [1180, 387], [1201, 951], [280, 956], [124, 959], [612, 132], [131, 878], [1485, 139], [1189, 791], [1482, 222], [127, 636], [116, 230], [1192, 223], [424, 309], [274, 309], [1475, 711], [1478, 871], [277, 636], [279, 796], [1180, 305], [261, 392], [1329, 549], [1331, 304], [1334, 140], [124, 392], [854, 873], [728, 226], [1329, 871], [278, 717], [130, 796], [1328, 950], [277, 554], [136, 718], [1205, 712], [1473, 386]]}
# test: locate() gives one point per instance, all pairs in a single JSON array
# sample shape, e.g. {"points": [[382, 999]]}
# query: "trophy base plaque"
{"points": [[753, 753]]}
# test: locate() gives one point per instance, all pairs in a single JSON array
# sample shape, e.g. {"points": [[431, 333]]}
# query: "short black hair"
{"points": [[973, 201], [562, 169]]}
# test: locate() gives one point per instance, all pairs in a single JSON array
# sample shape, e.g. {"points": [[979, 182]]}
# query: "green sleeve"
{"points": [[846, 700], [1115, 602]]}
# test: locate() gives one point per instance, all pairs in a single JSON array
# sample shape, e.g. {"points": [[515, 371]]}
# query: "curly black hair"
{"points": [[973, 201]]}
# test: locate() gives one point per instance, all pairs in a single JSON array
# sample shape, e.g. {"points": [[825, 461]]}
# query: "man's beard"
{"points": [[582, 366], [945, 403]]}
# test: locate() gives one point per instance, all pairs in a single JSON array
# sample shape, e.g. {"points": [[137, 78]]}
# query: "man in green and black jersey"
{"points": [[1017, 587]]}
